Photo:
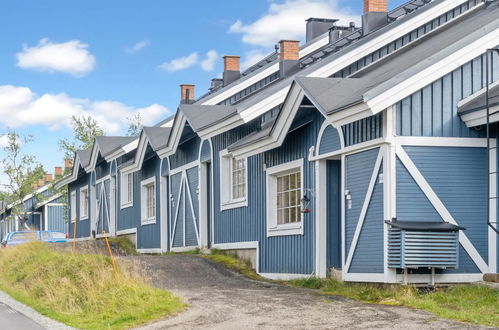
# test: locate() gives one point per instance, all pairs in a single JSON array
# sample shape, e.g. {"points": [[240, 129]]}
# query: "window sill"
{"points": [[150, 221], [83, 218], [125, 206], [284, 230], [234, 204]]}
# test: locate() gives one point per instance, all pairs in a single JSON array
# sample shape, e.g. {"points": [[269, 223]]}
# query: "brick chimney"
{"points": [[41, 182], [68, 163], [48, 177], [375, 15], [186, 93], [232, 68], [34, 186], [57, 171], [289, 55]]}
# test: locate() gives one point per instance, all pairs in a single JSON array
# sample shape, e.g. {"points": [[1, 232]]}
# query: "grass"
{"points": [[466, 303], [81, 290], [231, 261], [124, 245]]}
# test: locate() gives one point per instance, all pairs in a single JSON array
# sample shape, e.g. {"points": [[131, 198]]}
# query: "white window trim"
{"points": [[82, 215], [273, 229], [226, 200], [73, 206], [124, 205], [143, 205]]}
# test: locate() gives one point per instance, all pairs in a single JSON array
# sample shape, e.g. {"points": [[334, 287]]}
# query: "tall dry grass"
{"points": [[82, 290]]}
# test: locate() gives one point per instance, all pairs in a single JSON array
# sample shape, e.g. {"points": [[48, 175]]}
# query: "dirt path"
{"points": [[221, 299]]}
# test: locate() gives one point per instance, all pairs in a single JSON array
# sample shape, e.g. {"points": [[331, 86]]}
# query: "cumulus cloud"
{"points": [[193, 59], [19, 107], [208, 64], [137, 47], [180, 63], [70, 57], [286, 20]]}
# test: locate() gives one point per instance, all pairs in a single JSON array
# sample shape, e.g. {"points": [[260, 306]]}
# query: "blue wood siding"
{"points": [[205, 154], [128, 217], [102, 168], [149, 236], [368, 256], [55, 218], [330, 140], [359, 169], [334, 213], [187, 152], [282, 254], [432, 111], [82, 226], [363, 130], [459, 178]]}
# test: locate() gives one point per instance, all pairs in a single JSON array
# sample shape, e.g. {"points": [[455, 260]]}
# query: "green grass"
{"points": [[124, 245], [231, 261], [81, 290], [194, 251], [466, 303]]}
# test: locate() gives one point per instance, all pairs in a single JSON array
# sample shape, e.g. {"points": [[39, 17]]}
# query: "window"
{"points": [[126, 190], [233, 181], [83, 203], [25, 236], [284, 194], [148, 197], [73, 206]]}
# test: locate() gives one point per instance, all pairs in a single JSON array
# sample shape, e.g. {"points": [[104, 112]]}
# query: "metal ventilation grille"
{"points": [[415, 249]]}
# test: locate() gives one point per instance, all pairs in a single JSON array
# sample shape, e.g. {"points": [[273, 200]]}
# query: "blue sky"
{"points": [[114, 58]]}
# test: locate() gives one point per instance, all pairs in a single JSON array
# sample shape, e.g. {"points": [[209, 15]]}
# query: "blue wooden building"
{"points": [[366, 150]]}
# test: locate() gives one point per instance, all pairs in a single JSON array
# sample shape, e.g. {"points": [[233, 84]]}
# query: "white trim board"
{"points": [[126, 231], [240, 246], [151, 250], [285, 276], [440, 141], [440, 207]]}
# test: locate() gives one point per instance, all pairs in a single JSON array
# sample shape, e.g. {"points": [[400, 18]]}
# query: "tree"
{"points": [[86, 129], [134, 125], [23, 172]]}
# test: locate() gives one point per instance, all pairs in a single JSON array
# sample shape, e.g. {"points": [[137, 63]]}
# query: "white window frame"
{"points": [[144, 220], [124, 190], [73, 206], [274, 229], [227, 202], [84, 215]]}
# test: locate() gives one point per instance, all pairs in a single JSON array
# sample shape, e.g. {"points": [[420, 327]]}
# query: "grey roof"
{"points": [[202, 116], [331, 93], [264, 131], [477, 102], [158, 136], [334, 94], [109, 144], [84, 156], [164, 121]]}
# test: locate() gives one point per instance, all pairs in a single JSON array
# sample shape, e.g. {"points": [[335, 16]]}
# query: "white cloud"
{"points": [[20, 107], [185, 62], [287, 21], [208, 63], [70, 57], [137, 47], [4, 141], [180, 63], [252, 57]]}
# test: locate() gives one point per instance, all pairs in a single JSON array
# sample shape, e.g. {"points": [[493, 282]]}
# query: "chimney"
{"points": [[338, 32], [216, 83], [41, 182], [318, 26], [34, 186], [186, 94], [289, 55], [68, 163], [232, 69], [48, 177], [375, 15], [57, 171]]}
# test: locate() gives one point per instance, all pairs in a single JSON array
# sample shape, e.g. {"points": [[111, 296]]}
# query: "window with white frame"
{"points": [[233, 181], [284, 194], [126, 190], [83, 203], [73, 206], [148, 198]]}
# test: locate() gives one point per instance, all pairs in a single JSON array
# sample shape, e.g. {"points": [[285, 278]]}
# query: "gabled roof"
{"points": [[157, 136], [84, 157], [261, 134], [203, 116], [109, 144]]}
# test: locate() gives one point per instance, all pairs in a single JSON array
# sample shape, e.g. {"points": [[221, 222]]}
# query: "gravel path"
{"points": [[222, 299]]}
